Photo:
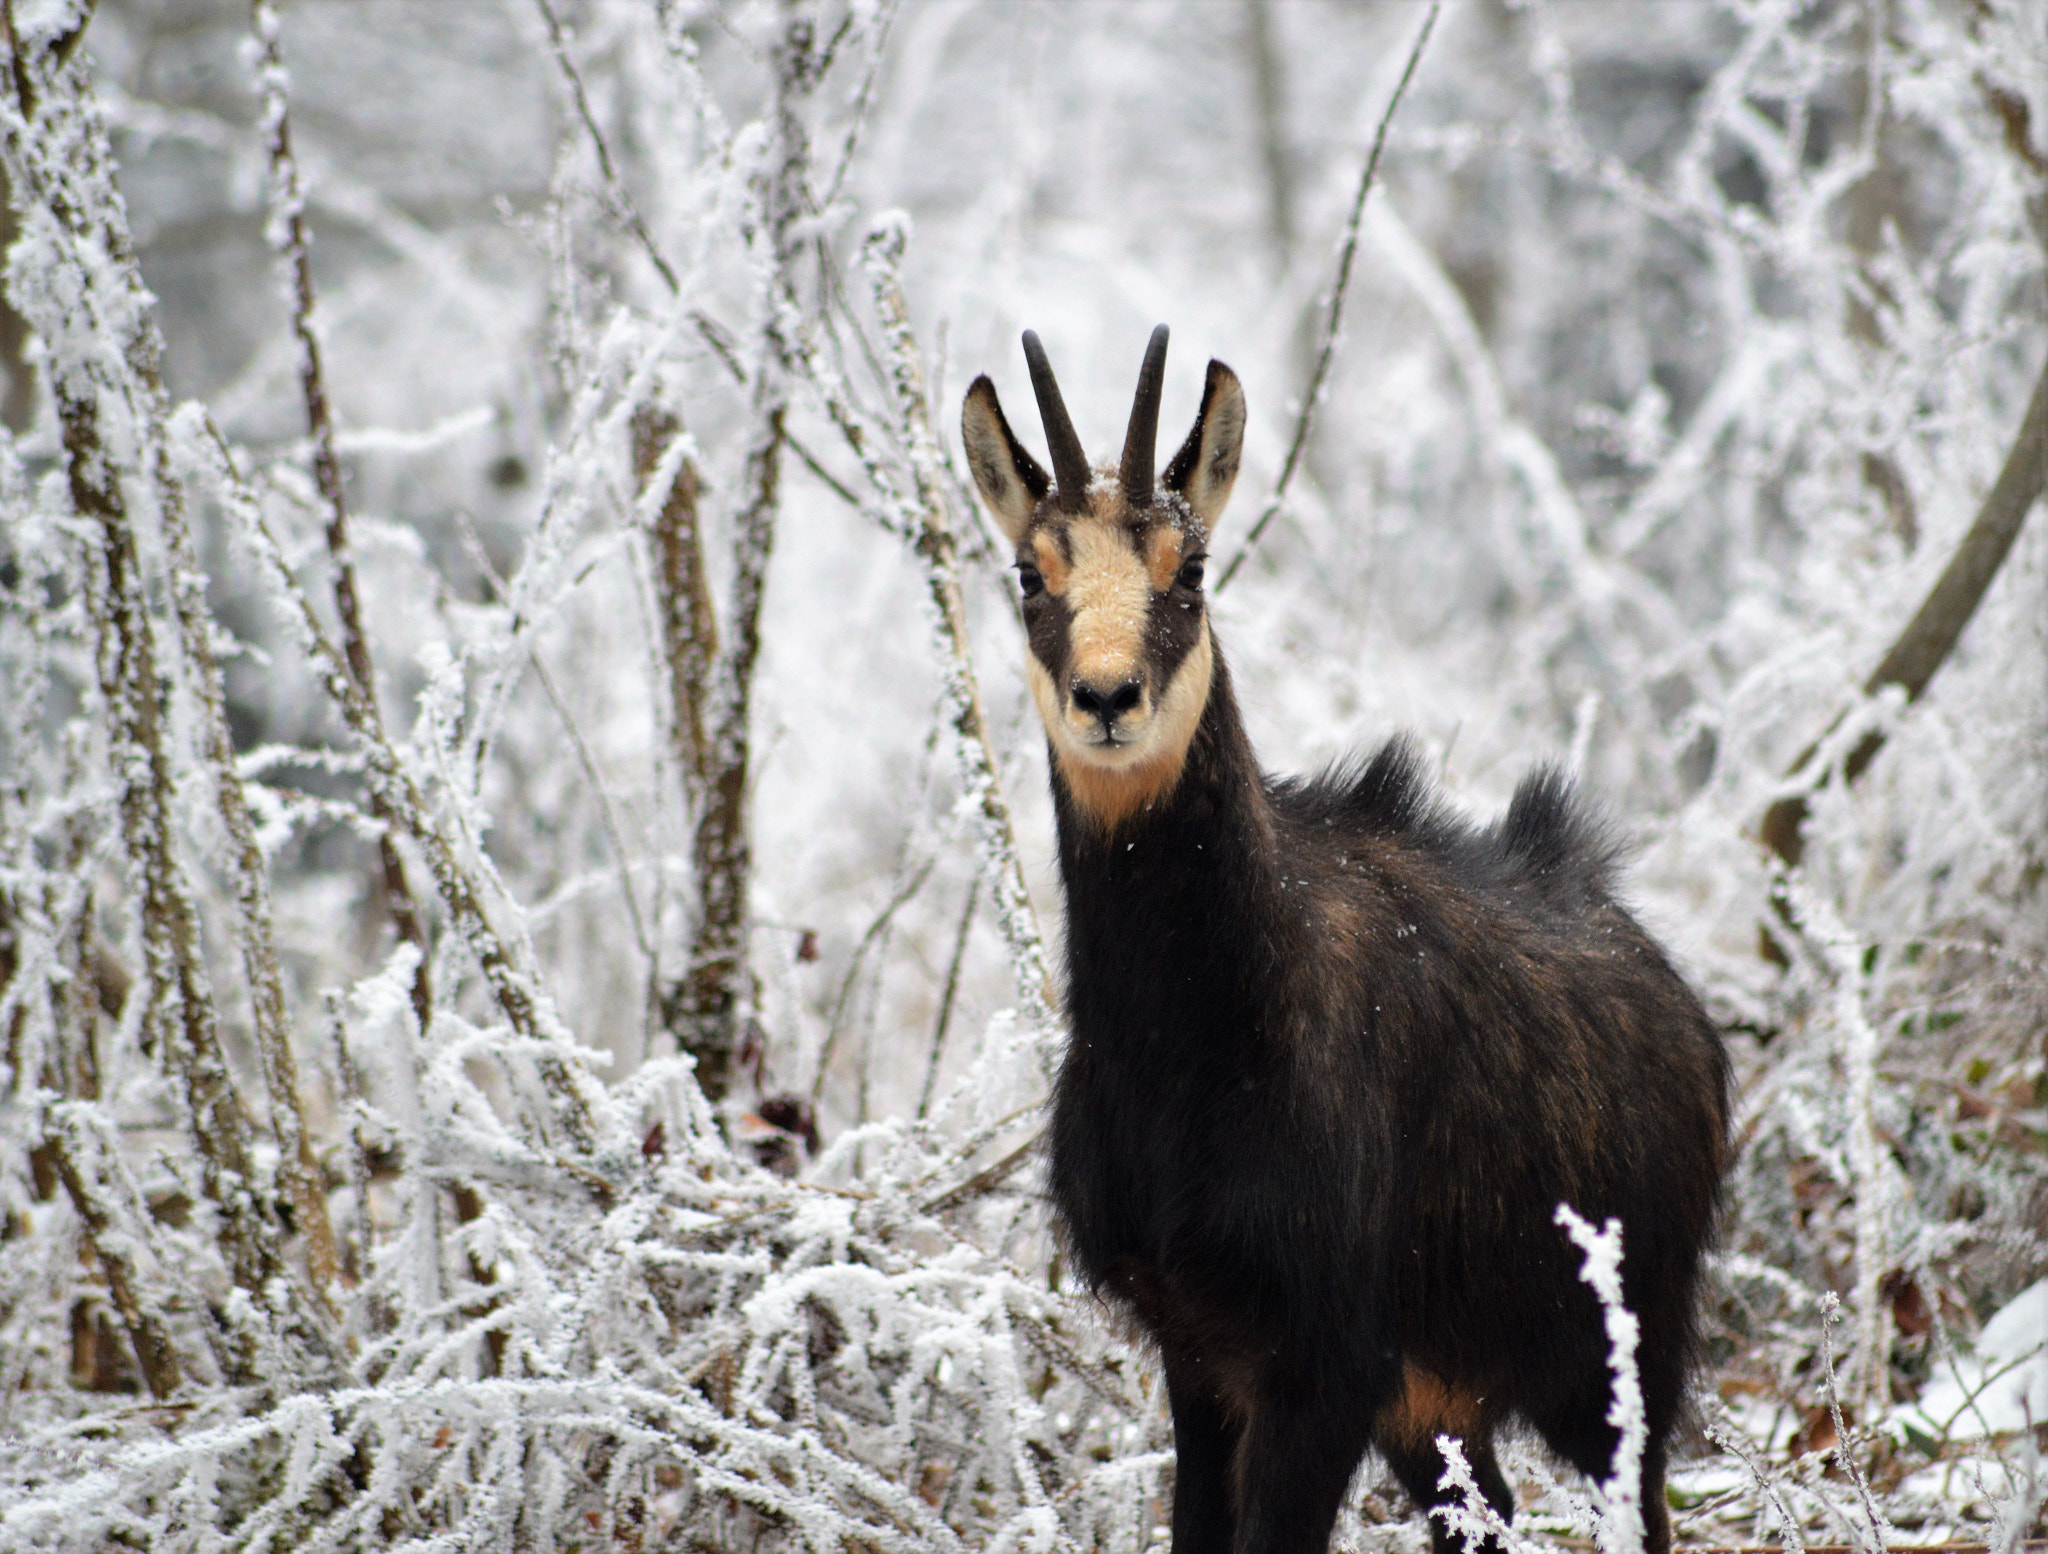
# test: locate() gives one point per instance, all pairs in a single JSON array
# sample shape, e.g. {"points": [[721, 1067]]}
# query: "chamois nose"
{"points": [[1107, 704]]}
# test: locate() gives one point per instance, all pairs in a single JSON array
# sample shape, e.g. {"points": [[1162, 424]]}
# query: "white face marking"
{"points": [[1116, 765], [1108, 598], [1109, 595], [1111, 782]]}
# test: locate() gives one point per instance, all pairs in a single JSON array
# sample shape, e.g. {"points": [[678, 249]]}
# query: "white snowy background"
{"points": [[1683, 345]]}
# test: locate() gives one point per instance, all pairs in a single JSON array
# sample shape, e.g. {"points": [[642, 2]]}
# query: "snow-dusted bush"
{"points": [[507, 699]]}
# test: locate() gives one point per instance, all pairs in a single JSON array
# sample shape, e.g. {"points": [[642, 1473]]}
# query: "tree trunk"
{"points": [[1937, 625]]}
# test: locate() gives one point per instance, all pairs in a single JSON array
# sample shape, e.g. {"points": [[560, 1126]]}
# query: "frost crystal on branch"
{"points": [[481, 548], [1621, 1511]]}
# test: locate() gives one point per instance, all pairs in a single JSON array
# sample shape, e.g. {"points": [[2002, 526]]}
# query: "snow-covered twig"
{"points": [[1621, 1496], [507, 962], [1874, 1528], [910, 880], [669, 491], [628, 210], [1471, 1517], [111, 1209], [876, 27], [104, 351], [937, 549], [1334, 319], [1725, 1433], [1871, 1179], [290, 244], [947, 994], [708, 1005]]}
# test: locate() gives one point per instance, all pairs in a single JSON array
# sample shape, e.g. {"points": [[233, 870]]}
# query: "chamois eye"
{"points": [[1030, 579], [1191, 572]]}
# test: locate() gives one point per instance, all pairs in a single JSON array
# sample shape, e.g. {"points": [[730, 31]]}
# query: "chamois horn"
{"points": [[1143, 435], [1069, 463]]}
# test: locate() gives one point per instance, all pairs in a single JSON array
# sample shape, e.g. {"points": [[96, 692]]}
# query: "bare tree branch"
{"points": [[1937, 625], [689, 624], [286, 232], [937, 548], [988, 1178], [706, 1007], [115, 1220], [1305, 422]]}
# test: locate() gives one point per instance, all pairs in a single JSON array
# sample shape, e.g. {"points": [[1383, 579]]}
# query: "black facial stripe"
{"points": [[1171, 633], [1048, 629]]}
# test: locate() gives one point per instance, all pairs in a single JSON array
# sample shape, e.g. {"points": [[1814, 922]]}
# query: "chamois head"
{"points": [[1110, 564]]}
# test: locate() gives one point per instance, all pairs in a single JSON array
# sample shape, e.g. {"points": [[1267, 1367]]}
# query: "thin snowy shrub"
{"points": [[524, 891]]}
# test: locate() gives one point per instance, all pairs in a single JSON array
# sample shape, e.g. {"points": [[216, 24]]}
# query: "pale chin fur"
{"points": [[1078, 739], [1112, 781]]}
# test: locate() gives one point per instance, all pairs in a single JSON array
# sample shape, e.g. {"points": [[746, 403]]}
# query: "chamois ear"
{"points": [[1206, 467], [1008, 478]]}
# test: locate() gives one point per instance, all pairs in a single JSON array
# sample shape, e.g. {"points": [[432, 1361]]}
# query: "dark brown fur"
{"points": [[1336, 1059]]}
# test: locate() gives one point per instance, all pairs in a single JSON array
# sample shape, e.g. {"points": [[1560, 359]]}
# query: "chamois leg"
{"points": [[1293, 1466], [1656, 1507], [1420, 1468], [1204, 1439], [1587, 1441]]}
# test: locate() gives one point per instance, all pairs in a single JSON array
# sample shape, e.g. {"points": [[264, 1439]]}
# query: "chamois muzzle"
{"points": [[1107, 703]]}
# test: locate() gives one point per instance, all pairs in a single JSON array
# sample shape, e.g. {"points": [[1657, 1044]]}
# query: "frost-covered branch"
{"points": [[1928, 639], [1471, 1516], [290, 243], [299, 1171], [507, 962], [937, 550], [947, 996], [1621, 1510], [708, 1005], [1870, 1181], [558, 42], [115, 1220], [102, 355], [1334, 319], [669, 491], [1874, 1533]]}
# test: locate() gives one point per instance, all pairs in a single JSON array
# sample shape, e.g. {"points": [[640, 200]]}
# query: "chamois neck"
{"points": [[1164, 908], [1215, 818]]}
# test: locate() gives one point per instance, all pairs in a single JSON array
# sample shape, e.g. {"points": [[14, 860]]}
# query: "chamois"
{"points": [[1336, 1056]]}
